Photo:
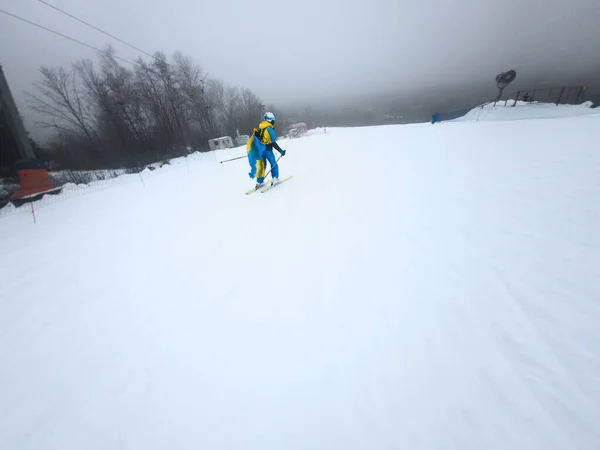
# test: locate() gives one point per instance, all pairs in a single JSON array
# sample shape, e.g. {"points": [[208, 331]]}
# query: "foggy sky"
{"points": [[303, 51]]}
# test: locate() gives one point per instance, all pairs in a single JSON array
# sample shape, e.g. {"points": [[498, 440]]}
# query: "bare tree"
{"points": [[116, 115], [217, 107], [191, 82], [62, 102]]}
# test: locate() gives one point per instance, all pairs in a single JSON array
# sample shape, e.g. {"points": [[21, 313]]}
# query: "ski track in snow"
{"points": [[422, 287]]}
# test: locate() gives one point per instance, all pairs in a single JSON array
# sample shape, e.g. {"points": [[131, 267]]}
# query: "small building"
{"points": [[297, 129], [220, 143], [242, 139]]}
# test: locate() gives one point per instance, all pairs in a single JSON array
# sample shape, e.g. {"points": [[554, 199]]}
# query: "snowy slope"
{"points": [[418, 287], [524, 110]]}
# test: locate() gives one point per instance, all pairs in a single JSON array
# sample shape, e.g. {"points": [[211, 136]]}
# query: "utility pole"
{"points": [[8, 106]]}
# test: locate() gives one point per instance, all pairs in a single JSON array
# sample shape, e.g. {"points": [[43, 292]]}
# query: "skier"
{"points": [[259, 149]]}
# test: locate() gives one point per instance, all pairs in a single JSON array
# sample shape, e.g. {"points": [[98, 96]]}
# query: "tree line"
{"points": [[106, 115]]}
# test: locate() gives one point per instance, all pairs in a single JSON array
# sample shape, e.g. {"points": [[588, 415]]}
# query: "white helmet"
{"points": [[269, 116]]}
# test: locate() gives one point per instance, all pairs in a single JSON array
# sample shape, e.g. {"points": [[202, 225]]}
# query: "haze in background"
{"points": [[323, 52]]}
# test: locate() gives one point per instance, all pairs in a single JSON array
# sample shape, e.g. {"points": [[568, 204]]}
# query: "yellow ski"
{"points": [[275, 185], [262, 186]]}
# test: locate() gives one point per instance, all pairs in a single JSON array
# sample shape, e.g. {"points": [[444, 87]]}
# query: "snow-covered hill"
{"points": [[414, 287], [520, 110]]}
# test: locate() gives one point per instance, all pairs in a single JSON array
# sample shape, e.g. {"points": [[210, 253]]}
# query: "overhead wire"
{"points": [[71, 39], [95, 28]]}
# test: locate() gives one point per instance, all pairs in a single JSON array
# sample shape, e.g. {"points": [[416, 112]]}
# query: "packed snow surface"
{"points": [[412, 287], [520, 110]]}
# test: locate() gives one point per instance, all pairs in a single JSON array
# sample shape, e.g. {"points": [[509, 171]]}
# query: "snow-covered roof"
{"points": [[219, 138]]}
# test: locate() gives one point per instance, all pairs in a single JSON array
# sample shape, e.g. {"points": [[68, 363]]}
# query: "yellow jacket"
{"points": [[265, 134]]}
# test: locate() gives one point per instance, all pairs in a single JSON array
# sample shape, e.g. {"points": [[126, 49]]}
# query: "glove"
{"points": [[282, 151]]}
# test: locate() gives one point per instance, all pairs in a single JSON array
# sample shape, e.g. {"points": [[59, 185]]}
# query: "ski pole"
{"points": [[232, 159]]}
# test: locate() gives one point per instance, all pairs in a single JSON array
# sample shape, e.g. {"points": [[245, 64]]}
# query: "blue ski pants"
{"points": [[270, 156]]}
